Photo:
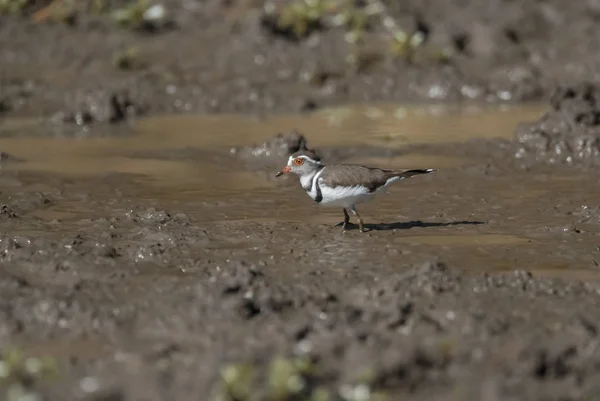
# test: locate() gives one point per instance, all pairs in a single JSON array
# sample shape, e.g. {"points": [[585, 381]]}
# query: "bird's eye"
{"points": [[299, 161]]}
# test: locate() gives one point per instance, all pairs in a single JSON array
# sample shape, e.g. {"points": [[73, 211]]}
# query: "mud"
{"points": [[568, 133], [147, 251], [231, 56], [151, 267]]}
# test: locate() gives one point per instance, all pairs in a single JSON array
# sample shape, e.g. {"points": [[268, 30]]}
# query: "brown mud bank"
{"points": [[102, 61], [161, 260], [148, 266]]}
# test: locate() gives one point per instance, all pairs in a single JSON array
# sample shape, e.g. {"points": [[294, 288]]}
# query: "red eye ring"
{"points": [[298, 161]]}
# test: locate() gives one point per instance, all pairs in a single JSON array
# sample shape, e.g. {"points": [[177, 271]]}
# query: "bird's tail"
{"points": [[410, 173]]}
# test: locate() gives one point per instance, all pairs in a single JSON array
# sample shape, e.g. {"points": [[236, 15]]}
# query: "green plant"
{"points": [[286, 379], [300, 16], [13, 6], [237, 381], [127, 59], [19, 372], [131, 15], [140, 14]]}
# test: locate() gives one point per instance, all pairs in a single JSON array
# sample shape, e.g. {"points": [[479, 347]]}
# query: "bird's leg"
{"points": [[360, 221], [343, 224], [346, 219]]}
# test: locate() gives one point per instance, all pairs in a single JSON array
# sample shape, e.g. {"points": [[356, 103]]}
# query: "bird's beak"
{"points": [[285, 170]]}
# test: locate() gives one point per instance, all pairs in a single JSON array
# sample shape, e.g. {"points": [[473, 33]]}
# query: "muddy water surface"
{"points": [[171, 247], [185, 165]]}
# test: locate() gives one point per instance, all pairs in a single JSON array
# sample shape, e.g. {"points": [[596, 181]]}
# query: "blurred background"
{"points": [[97, 61]]}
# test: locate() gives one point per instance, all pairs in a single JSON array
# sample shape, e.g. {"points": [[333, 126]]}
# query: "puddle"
{"points": [[510, 221], [386, 125]]}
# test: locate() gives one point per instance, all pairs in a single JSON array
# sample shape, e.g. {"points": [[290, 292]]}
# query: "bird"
{"points": [[342, 185]]}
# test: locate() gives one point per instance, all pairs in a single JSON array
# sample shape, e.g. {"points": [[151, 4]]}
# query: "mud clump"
{"points": [[4, 106], [7, 212], [569, 133], [116, 108], [274, 150], [7, 157]]}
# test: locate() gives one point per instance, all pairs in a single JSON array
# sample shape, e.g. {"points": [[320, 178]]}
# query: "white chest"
{"points": [[343, 196]]}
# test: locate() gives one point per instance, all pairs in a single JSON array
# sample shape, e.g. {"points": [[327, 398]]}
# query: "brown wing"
{"points": [[352, 175], [372, 178]]}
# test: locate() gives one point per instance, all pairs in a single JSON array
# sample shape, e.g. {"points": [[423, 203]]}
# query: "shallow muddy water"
{"points": [[185, 165], [175, 235]]}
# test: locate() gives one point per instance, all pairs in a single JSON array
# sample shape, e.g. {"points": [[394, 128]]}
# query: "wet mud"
{"points": [[568, 133], [147, 251], [261, 57], [149, 267]]}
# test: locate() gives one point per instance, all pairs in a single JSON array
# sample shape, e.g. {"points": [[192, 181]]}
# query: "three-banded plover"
{"points": [[343, 185]]}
